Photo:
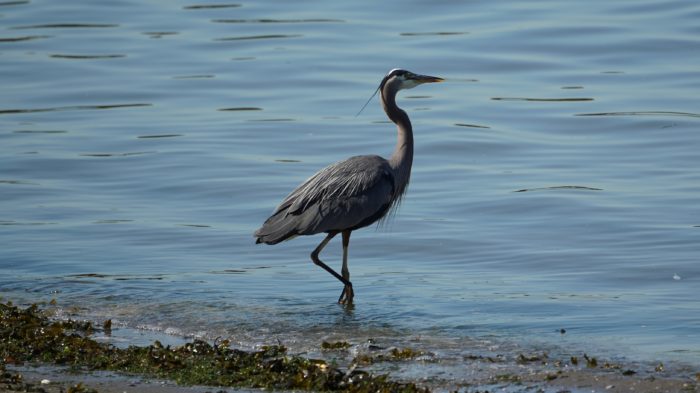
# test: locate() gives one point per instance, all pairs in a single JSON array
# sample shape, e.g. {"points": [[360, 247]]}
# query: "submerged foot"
{"points": [[347, 295]]}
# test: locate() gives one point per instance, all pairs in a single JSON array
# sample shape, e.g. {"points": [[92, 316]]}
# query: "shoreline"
{"points": [[62, 379], [164, 369]]}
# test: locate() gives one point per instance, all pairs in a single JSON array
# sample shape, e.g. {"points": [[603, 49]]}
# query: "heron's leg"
{"points": [[317, 261], [347, 294]]}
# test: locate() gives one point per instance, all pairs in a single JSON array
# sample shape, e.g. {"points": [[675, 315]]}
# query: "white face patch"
{"points": [[408, 83], [400, 79]]}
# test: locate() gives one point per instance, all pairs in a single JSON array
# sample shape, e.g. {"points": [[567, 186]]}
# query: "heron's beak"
{"points": [[427, 79]]}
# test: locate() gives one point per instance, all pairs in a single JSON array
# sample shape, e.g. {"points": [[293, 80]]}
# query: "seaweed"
{"points": [[28, 335], [524, 359], [337, 346], [591, 362], [394, 355]]}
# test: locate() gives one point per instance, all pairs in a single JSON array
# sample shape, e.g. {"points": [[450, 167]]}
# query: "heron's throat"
{"points": [[402, 157]]}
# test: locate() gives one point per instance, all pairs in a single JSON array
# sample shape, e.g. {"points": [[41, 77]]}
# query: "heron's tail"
{"points": [[276, 229]]}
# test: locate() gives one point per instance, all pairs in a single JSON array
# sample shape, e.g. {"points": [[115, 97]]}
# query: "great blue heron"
{"points": [[353, 193]]}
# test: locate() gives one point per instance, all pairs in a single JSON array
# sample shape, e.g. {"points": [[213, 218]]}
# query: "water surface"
{"points": [[554, 187]]}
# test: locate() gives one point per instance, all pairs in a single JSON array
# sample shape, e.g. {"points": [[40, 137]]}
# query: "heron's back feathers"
{"points": [[349, 194]]}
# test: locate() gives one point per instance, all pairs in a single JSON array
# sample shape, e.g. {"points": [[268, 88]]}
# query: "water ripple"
{"points": [[17, 182], [470, 125], [127, 154], [317, 20], [585, 188], [24, 38], [240, 109], [86, 57], [158, 136], [570, 99], [159, 34], [258, 37], [642, 113], [204, 76], [210, 6], [432, 33], [9, 3], [68, 26], [40, 132], [71, 108]]}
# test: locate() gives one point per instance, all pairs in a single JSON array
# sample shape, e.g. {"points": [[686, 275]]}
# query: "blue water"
{"points": [[141, 144]]}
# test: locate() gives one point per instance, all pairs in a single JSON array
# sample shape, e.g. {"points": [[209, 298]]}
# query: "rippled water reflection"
{"points": [[555, 181]]}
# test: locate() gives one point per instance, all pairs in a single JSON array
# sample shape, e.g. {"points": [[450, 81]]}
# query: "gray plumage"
{"points": [[349, 194], [353, 193]]}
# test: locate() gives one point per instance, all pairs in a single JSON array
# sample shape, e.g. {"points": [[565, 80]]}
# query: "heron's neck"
{"points": [[402, 157]]}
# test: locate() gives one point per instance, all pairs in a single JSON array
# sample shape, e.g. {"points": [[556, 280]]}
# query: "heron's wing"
{"points": [[342, 180], [346, 195]]}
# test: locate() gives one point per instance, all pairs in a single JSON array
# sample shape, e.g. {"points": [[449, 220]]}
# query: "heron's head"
{"points": [[398, 79], [401, 79]]}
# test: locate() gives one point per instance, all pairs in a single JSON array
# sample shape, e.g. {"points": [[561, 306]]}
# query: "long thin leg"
{"points": [[314, 258], [347, 294]]}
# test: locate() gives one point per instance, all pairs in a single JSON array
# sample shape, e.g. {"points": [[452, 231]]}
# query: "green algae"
{"points": [[524, 359], [335, 346], [591, 362], [394, 355], [29, 335]]}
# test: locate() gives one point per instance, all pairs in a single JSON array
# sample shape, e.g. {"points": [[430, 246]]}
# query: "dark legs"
{"points": [[347, 295]]}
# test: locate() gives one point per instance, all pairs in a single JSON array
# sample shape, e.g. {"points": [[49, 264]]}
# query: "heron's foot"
{"points": [[347, 295]]}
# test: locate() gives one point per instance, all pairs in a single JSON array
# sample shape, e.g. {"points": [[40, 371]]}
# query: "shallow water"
{"points": [[554, 186]]}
